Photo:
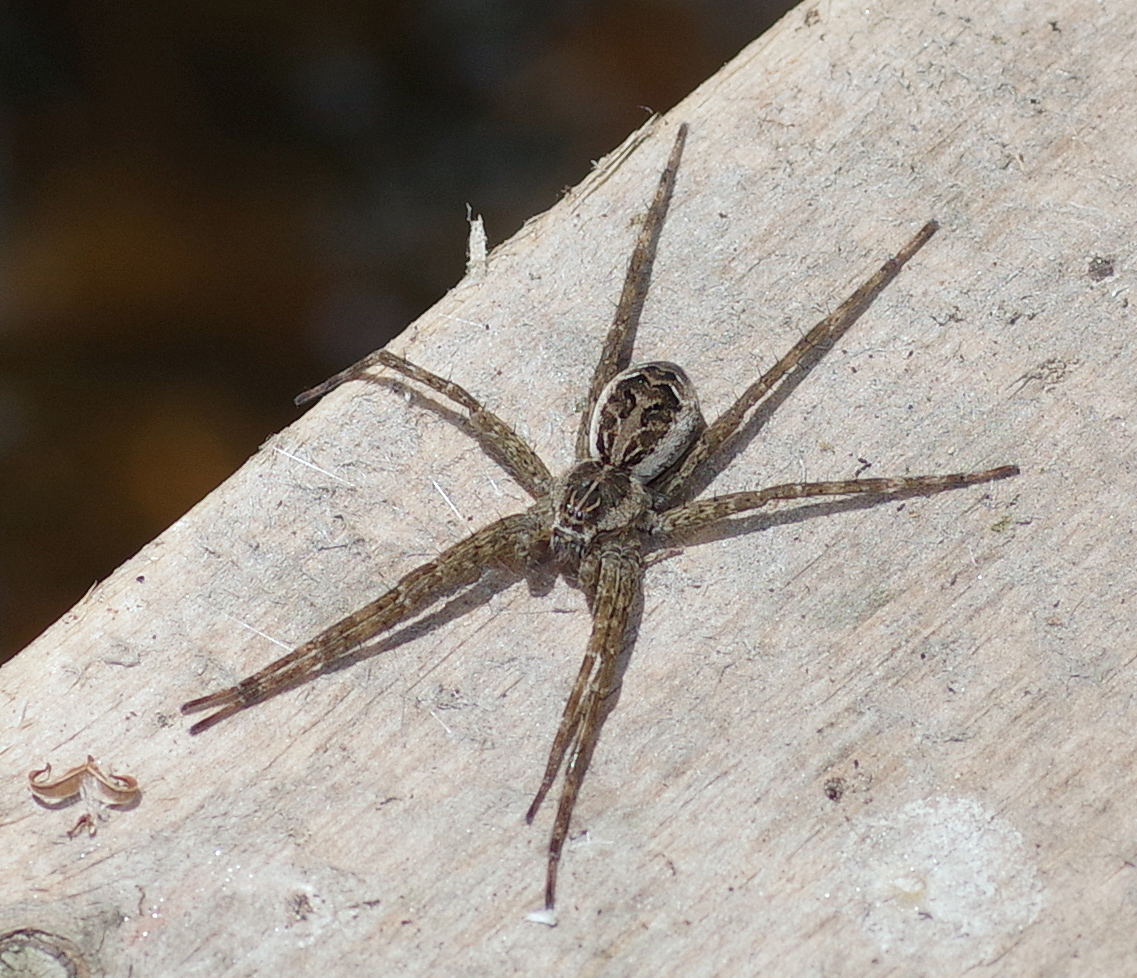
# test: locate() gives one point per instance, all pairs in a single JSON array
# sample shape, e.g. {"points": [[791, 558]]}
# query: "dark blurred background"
{"points": [[206, 207]]}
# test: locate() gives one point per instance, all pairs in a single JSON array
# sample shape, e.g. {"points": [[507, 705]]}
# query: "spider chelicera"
{"points": [[640, 441]]}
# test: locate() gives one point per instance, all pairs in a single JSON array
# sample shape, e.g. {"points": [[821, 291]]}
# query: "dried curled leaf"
{"points": [[87, 780]]}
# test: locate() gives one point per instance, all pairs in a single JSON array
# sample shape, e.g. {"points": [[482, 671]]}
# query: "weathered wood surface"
{"points": [[957, 672]]}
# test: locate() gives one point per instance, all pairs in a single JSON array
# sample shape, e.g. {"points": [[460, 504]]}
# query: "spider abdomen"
{"points": [[645, 419]]}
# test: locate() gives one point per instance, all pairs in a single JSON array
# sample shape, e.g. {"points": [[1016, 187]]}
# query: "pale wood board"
{"points": [[964, 663]]}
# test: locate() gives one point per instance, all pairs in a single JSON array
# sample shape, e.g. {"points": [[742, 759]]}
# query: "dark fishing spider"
{"points": [[640, 440]]}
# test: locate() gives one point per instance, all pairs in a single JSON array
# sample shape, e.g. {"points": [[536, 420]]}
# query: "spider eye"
{"points": [[645, 419], [594, 498]]}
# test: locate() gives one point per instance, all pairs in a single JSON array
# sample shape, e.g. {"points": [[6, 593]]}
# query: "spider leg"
{"points": [[509, 540], [570, 720], [822, 336], [702, 512], [617, 352], [619, 586], [518, 459]]}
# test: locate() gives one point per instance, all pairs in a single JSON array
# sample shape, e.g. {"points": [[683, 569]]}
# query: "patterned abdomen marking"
{"points": [[645, 420]]}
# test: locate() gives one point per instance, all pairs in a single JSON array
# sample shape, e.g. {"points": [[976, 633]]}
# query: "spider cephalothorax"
{"points": [[590, 500], [645, 420], [640, 441]]}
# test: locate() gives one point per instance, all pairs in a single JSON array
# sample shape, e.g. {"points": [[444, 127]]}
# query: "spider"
{"points": [[641, 441]]}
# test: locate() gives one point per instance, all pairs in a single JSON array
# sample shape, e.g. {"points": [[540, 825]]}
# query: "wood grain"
{"points": [[894, 740]]}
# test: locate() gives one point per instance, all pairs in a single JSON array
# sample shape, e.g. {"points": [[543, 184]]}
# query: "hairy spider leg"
{"points": [[699, 513], [823, 335], [507, 447], [508, 540], [612, 572], [619, 588], [617, 350], [566, 730]]}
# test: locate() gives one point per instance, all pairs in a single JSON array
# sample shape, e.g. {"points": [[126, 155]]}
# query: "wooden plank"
{"points": [[895, 739]]}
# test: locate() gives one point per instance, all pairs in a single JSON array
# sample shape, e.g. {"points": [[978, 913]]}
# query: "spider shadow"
{"points": [[730, 527], [462, 601], [541, 576], [465, 598], [419, 399], [459, 601], [623, 661], [737, 443], [701, 478]]}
